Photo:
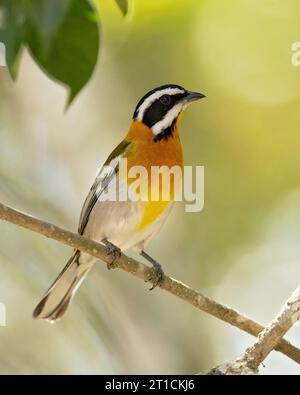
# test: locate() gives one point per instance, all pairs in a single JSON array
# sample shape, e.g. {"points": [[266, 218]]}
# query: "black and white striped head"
{"points": [[160, 108]]}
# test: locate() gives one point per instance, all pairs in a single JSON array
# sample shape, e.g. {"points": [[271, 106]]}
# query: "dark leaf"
{"points": [[62, 36], [11, 32], [46, 16], [67, 52], [123, 5]]}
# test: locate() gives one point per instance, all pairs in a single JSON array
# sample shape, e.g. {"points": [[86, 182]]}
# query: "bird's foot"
{"points": [[158, 274], [113, 251]]}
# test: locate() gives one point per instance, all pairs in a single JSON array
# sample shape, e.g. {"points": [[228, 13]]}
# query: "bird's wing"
{"points": [[106, 175]]}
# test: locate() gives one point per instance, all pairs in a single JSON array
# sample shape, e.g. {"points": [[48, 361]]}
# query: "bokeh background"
{"points": [[243, 249]]}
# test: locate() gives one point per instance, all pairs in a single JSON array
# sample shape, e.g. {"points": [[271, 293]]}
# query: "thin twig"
{"points": [[251, 359], [143, 272]]}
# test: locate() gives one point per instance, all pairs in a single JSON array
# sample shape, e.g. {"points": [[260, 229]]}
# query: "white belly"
{"points": [[118, 222]]}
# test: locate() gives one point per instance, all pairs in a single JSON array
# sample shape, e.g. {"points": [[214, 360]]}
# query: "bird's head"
{"points": [[160, 108]]}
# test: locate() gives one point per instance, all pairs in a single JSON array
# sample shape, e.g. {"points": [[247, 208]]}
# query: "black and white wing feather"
{"points": [[107, 174]]}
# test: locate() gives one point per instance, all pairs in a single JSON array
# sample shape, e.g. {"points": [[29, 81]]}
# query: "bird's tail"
{"points": [[57, 299]]}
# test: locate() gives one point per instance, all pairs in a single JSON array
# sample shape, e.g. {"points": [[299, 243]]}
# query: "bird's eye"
{"points": [[165, 100]]}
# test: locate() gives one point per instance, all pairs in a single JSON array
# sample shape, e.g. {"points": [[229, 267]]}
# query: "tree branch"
{"points": [[143, 272], [267, 340]]}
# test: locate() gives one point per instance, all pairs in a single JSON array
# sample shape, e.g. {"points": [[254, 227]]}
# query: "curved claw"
{"points": [[157, 276], [157, 271], [114, 252]]}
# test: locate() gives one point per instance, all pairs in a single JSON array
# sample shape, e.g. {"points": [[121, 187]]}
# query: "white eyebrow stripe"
{"points": [[156, 95], [168, 119]]}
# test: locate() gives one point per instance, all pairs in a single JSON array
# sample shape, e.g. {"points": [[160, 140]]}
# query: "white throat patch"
{"points": [[151, 99], [167, 119]]}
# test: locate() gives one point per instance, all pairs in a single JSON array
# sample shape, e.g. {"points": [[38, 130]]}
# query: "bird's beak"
{"points": [[193, 96]]}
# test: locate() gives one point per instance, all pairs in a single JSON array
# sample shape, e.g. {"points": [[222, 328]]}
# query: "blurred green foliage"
{"points": [[62, 36], [123, 4]]}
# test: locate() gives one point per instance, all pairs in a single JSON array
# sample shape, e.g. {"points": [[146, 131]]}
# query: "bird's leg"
{"points": [[158, 273], [113, 251]]}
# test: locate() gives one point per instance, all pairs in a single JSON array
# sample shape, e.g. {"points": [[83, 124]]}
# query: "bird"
{"points": [[152, 140]]}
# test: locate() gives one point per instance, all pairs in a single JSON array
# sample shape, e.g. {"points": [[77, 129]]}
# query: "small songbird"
{"points": [[152, 140]]}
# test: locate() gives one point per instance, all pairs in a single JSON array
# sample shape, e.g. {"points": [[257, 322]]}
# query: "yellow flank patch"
{"points": [[152, 211]]}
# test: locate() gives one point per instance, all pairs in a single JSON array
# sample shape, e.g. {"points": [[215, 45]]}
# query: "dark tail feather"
{"points": [[58, 297]]}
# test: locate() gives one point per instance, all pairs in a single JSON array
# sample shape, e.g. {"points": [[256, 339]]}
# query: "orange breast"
{"points": [[147, 153]]}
